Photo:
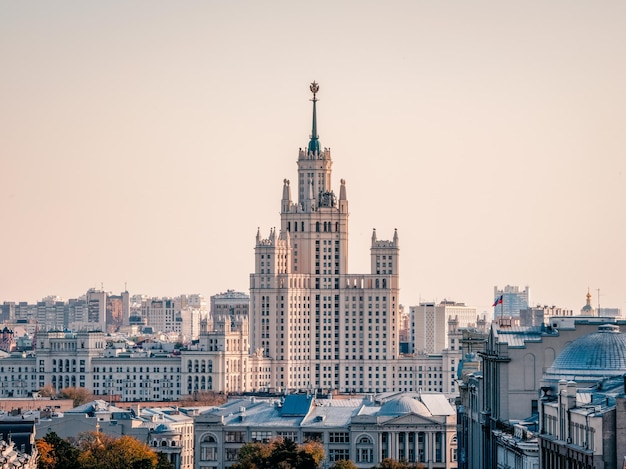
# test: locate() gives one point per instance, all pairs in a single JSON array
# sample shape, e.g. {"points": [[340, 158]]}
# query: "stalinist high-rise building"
{"points": [[319, 326]]}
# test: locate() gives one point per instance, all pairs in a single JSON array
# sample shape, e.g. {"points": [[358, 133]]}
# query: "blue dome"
{"points": [[597, 355], [403, 405]]}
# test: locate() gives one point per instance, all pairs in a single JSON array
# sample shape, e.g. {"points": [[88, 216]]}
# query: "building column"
{"points": [[406, 446]]}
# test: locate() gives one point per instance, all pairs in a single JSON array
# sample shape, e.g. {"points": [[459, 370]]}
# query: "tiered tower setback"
{"points": [[321, 327]]}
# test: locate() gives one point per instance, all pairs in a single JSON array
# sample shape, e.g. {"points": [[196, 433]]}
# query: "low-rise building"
{"points": [[411, 426], [166, 430], [17, 442]]}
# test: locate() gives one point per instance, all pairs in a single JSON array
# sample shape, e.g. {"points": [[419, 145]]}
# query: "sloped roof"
{"points": [[296, 405]]}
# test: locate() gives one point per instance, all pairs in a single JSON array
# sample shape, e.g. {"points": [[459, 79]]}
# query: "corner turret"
{"points": [[286, 200]]}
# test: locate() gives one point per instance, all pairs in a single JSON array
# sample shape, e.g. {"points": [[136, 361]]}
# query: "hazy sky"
{"points": [[145, 142]]}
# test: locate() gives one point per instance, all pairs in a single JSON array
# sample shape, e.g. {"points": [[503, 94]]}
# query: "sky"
{"points": [[142, 143]]}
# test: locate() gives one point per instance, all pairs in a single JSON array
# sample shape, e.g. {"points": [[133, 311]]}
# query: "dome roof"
{"points": [[597, 355], [403, 405]]}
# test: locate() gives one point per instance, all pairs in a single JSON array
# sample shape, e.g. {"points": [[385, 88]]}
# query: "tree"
{"points": [[205, 398], [311, 455], [57, 453], [280, 454], [344, 464], [47, 458], [163, 462], [389, 463], [101, 451], [78, 395], [47, 391]]}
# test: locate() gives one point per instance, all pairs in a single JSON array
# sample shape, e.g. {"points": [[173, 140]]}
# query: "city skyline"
{"points": [[144, 144]]}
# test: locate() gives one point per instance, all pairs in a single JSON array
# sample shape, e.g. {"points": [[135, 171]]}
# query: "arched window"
{"points": [[317, 226], [364, 449]]}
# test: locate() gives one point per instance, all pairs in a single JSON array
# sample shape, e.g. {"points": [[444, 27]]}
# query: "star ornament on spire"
{"points": [[314, 88]]}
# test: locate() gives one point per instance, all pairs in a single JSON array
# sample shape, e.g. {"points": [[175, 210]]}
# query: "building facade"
{"points": [[508, 388], [430, 323], [321, 327], [413, 427], [509, 301]]}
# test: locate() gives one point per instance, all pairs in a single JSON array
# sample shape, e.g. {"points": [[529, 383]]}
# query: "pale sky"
{"points": [[144, 142]]}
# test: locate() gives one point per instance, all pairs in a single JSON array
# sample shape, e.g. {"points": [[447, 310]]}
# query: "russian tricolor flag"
{"points": [[498, 301]]}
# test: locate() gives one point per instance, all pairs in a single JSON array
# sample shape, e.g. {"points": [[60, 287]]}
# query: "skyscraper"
{"points": [[320, 326], [509, 301]]}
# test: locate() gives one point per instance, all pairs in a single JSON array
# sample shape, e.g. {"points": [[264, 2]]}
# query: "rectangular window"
{"points": [[339, 437], [235, 437], [208, 454], [263, 436], [313, 436], [336, 454], [293, 436]]}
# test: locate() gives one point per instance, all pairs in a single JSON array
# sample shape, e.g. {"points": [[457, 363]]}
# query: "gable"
{"points": [[413, 420]]}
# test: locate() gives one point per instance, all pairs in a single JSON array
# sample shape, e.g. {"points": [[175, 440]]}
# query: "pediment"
{"points": [[412, 419]]}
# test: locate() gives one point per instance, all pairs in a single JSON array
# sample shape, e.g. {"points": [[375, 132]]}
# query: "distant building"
{"points": [[429, 324], [587, 309], [229, 303], [509, 301], [538, 315]]}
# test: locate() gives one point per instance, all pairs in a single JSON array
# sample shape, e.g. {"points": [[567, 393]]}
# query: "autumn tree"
{"points": [[47, 391], [78, 395], [204, 398], [280, 454], [56, 453], [47, 458], [101, 451], [389, 463], [344, 464]]}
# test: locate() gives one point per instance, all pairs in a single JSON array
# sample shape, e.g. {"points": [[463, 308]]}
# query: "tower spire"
{"points": [[314, 143]]}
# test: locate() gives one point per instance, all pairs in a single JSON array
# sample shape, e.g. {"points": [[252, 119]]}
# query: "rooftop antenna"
{"points": [[598, 302]]}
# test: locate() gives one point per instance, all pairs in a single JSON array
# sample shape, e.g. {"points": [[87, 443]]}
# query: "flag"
{"points": [[498, 301]]}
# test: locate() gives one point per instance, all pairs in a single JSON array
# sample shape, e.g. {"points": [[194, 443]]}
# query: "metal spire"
{"points": [[314, 144]]}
